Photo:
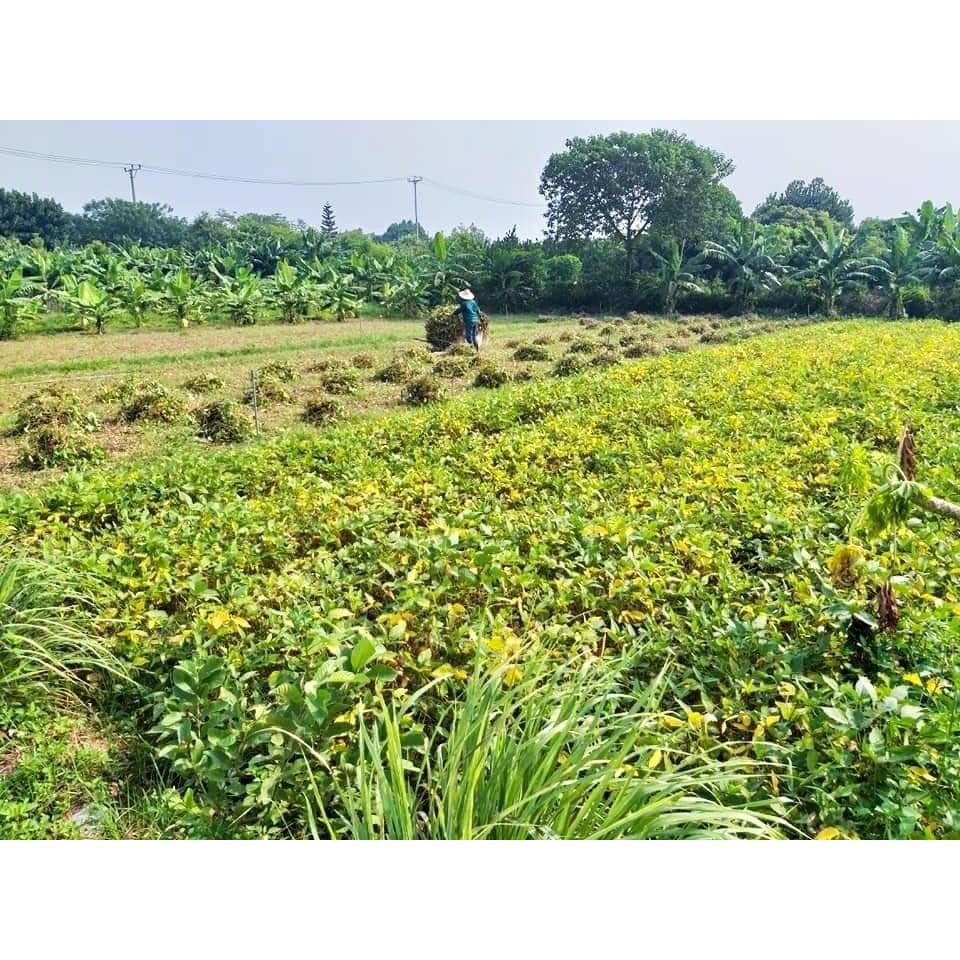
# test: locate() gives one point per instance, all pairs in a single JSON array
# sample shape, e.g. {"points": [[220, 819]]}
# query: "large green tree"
{"points": [[124, 222], [801, 195], [25, 216], [625, 185]]}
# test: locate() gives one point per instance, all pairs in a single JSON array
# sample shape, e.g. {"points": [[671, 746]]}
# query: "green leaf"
{"points": [[362, 652]]}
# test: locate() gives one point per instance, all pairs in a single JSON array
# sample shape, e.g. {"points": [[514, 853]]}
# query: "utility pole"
{"points": [[132, 170], [416, 215]]}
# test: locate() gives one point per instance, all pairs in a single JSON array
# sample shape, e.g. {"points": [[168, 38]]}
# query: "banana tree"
{"points": [[135, 298], [181, 295], [902, 267], [674, 274], [16, 303], [293, 295], [339, 294], [91, 302], [835, 263], [406, 296], [240, 297], [747, 261]]}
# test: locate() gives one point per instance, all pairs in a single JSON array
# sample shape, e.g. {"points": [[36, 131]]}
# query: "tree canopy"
{"points": [[25, 216], [122, 221], [800, 195], [624, 185]]}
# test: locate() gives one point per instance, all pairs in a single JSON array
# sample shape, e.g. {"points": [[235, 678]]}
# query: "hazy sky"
{"points": [[883, 167]]}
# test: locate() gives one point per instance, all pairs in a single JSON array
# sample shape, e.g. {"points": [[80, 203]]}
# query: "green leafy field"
{"points": [[322, 632]]}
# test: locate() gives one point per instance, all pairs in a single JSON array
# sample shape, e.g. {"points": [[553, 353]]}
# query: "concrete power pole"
{"points": [[132, 170], [416, 214]]}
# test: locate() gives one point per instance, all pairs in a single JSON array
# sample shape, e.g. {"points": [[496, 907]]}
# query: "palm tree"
{"points": [[749, 266], [835, 263], [673, 275]]}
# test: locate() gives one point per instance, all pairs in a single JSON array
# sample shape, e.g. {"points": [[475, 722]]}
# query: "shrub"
{"points": [[443, 326], [269, 391], [512, 344], [57, 445], [543, 340], [341, 382], [490, 375], [628, 339], [569, 364], [452, 366], [565, 337], [363, 361], [278, 370], [204, 383], [152, 401], [396, 371], [531, 351], [525, 373], [422, 390], [320, 410], [53, 406], [608, 331], [222, 421]]}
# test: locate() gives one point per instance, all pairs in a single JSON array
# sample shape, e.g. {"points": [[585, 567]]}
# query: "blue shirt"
{"points": [[469, 311]]}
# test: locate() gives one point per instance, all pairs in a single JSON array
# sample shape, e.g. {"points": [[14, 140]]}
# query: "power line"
{"points": [[174, 172], [480, 196]]}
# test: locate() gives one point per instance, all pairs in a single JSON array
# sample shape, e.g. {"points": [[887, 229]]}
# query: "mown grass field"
{"points": [[615, 604], [87, 365]]}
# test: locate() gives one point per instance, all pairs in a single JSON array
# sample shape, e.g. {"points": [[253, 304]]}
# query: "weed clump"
{"points": [[326, 363], [152, 402], [396, 371], [490, 375], [451, 367], [57, 445], [54, 406], [221, 421], [422, 390], [531, 351], [320, 410], [443, 327], [204, 383], [281, 370], [543, 340], [269, 391], [363, 361], [341, 382], [570, 364], [646, 348]]}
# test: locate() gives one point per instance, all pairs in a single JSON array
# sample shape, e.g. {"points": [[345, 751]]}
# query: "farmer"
{"points": [[471, 317]]}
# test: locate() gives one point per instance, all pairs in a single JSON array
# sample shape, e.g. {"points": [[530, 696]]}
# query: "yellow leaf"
{"points": [[828, 833], [218, 619], [672, 722], [695, 719], [656, 758], [913, 678], [513, 675]]}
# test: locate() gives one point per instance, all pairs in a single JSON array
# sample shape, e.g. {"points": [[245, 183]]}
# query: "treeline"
{"points": [[634, 222]]}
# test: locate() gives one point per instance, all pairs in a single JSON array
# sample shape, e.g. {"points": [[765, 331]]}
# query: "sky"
{"points": [[882, 167]]}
